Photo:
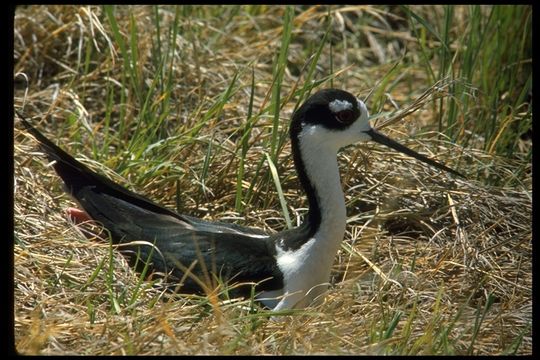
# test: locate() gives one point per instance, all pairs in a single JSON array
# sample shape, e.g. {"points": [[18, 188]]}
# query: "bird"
{"points": [[289, 269]]}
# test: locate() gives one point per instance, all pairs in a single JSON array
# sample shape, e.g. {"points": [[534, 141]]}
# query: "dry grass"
{"points": [[430, 264]]}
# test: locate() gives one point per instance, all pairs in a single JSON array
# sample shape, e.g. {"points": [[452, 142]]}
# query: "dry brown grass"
{"points": [[421, 244]]}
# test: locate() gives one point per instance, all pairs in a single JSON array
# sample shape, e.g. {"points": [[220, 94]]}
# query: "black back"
{"points": [[210, 249]]}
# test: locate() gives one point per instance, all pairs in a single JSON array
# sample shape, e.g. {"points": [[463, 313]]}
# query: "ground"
{"points": [[190, 106]]}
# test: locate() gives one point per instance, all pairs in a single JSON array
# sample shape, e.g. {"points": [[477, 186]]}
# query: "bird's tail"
{"points": [[81, 182]]}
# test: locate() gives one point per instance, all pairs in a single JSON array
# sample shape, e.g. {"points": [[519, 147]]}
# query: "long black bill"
{"points": [[382, 139]]}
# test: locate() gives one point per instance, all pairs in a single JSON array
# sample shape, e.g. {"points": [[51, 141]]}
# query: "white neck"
{"points": [[319, 147], [306, 270]]}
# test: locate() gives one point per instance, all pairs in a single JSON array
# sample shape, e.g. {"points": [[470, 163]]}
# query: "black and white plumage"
{"points": [[291, 269]]}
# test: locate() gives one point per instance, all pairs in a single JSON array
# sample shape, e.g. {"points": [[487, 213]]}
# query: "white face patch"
{"points": [[339, 105]]}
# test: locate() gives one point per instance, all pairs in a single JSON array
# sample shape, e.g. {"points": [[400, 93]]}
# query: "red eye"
{"points": [[345, 116]]}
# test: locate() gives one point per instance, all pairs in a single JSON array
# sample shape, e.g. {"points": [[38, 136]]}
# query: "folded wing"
{"points": [[168, 241]]}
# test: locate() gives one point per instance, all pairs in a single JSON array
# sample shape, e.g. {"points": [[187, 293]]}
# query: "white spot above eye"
{"points": [[339, 105]]}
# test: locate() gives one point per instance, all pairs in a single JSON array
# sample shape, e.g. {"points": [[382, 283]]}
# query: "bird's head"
{"points": [[332, 119]]}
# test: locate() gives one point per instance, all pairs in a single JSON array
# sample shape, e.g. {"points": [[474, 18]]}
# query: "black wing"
{"points": [[175, 242]]}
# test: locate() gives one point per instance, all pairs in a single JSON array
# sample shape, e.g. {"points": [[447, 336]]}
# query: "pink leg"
{"points": [[77, 216]]}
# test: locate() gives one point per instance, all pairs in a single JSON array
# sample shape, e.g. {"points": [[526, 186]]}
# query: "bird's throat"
{"points": [[315, 158]]}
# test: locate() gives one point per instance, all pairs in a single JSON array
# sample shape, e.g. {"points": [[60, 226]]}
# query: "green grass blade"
{"points": [[277, 183], [244, 147], [279, 70]]}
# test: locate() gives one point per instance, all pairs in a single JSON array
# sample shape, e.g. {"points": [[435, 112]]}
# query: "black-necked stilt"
{"points": [[291, 268]]}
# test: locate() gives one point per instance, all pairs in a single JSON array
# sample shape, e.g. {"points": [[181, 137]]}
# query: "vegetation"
{"points": [[190, 106]]}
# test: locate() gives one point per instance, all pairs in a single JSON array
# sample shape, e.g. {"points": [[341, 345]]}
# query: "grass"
{"points": [[190, 106]]}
